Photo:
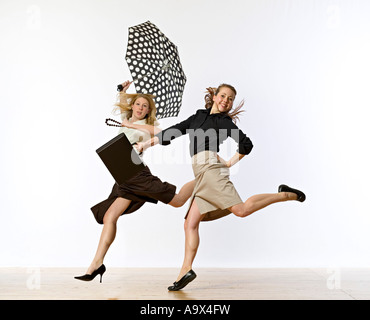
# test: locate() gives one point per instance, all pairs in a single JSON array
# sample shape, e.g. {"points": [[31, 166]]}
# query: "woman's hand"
{"points": [[142, 146], [125, 85], [139, 147], [235, 159], [226, 164], [126, 123]]}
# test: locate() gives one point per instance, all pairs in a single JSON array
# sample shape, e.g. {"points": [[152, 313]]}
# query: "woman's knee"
{"points": [[177, 201], [191, 226], [242, 210], [193, 218], [110, 217], [117, 208]]}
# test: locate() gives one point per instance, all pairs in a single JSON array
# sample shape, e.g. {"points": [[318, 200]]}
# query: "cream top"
{"points": [[134, 135]]}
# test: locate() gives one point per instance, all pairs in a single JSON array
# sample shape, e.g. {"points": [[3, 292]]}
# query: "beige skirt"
{"points": [[214, 193]]}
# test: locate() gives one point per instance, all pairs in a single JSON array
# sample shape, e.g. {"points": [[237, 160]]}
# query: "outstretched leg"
{"points": [[192, 239], [260, 201], [109, 231], [186, 191]]}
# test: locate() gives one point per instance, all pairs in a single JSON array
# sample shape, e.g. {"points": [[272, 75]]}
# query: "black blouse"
{"points": [[207, 131]]}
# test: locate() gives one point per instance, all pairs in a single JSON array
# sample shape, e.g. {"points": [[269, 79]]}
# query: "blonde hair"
{"points": [[125, 102], [211, 92]]}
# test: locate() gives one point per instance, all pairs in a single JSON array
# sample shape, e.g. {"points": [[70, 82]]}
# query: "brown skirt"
{"points": [[143, 187]]}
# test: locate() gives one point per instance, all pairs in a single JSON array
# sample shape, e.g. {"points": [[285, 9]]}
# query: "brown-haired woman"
{"points": [[214, 195], [139, 124]]}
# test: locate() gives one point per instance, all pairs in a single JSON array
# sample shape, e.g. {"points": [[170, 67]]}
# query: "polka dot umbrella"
{"points": [[155, 67]]}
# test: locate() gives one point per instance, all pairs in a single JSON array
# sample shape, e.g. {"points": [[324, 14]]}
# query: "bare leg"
{"points": [[179, 199], [192, 239], [109, 231], [260, 201]]}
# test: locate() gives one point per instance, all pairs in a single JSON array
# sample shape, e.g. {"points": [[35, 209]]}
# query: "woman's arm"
{"points": [[122, 97], [245, 144], [167, 135], [236, 158], [164, 137], [142, 146], [152, 130]]}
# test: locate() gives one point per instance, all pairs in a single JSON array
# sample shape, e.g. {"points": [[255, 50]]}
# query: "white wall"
{"points": [[303, 68]]}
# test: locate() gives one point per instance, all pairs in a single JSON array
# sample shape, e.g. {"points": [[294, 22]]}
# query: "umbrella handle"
{"points": [[120, 87], [118, 124]]}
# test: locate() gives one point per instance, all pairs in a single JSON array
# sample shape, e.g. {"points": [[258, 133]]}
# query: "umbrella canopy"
{"points": [[155, 67]]}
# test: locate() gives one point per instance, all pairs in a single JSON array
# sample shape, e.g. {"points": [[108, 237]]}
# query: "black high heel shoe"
{"points": [[300, 195], [89, 277], [188, 277]]}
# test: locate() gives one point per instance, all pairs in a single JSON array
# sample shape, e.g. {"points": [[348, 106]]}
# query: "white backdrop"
{"points": [[301, 66]]}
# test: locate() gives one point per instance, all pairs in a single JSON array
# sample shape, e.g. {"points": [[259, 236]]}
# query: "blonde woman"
{"points": [[139, 124], [214, 194]]}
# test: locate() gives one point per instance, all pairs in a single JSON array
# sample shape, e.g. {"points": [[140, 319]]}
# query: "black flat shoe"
{"points": [[89, 277], [187, 278], [301, 196]]}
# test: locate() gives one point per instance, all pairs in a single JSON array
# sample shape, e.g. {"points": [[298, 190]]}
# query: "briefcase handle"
{"points": [[118, 124]]}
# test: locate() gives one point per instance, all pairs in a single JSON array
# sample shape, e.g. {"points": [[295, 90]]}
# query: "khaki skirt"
{"points": [[213, 191]]}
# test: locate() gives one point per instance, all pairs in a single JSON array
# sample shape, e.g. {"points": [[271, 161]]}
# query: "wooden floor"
{"points": [[211, 284]]}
